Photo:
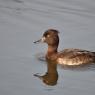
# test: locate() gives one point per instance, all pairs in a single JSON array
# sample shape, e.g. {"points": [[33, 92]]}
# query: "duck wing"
{"points": [[76, 56]]}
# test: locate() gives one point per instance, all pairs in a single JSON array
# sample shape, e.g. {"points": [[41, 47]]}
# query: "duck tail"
{"points": [[94, 55]]}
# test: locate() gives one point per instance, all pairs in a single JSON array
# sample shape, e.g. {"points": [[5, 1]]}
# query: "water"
{"points": [[24, 21]]}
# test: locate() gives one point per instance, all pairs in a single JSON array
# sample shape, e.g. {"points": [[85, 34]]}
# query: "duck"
{"points": [[69, 56]]}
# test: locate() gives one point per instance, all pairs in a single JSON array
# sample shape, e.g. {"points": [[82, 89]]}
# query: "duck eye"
{"points": [[48, 36]]}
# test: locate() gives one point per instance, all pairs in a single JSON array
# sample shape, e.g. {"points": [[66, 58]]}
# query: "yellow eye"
{"points": [[48, 36]]}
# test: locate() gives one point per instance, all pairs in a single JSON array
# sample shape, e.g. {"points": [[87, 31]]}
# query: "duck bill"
{"points": [[40, 40]]}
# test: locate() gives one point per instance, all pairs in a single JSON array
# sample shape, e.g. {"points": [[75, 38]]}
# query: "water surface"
{"points": [[24, 21]]}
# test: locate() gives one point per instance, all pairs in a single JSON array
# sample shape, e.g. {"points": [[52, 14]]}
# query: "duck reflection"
{"points": [[51, 76]]}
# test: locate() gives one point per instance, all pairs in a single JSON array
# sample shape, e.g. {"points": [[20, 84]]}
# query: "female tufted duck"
{"points": [[67, 56]]}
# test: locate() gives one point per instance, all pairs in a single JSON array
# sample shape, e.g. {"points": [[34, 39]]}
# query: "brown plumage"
{"points": [[75, 57], [67, 56]]}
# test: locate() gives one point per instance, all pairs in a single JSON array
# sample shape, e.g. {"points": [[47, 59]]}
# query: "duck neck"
{"points": [[51, 50]]}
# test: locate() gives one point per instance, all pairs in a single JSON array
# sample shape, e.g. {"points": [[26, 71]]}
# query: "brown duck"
{"points": [[67, 56]]}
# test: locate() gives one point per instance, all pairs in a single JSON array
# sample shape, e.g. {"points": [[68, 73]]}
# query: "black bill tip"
{"points": [[37, 41]]}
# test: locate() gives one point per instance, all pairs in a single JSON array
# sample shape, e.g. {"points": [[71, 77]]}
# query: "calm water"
{"points": [[24, 21]]}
